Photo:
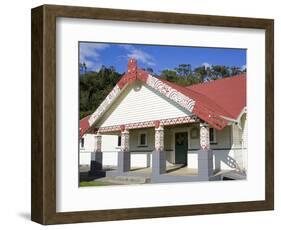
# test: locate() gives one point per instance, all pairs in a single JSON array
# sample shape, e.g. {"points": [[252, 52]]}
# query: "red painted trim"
{"points": [[149, 124], [84, 126], [209, 116], [122, 128], [157, 124], [142, 75]]}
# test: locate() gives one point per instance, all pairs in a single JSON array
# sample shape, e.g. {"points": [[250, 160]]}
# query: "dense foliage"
{"points": [[95, 86], [184, 75]]}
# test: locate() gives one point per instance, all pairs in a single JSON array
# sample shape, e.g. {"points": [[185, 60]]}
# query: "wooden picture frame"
{"points": [[43, 207]]}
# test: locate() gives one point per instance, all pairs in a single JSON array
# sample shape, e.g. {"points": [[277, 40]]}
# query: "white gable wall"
{"points": [[140, 103]]}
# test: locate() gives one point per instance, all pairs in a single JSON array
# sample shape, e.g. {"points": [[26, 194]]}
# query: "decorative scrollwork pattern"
{"points": [[171, 93], [125, 140], [204, 136], [159, 138], [97, 142], [105, 104]]}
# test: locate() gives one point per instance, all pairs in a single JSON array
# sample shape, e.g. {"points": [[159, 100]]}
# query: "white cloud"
{"points": [[138, 54], [90, 54], [243, 67], [206, 65]]}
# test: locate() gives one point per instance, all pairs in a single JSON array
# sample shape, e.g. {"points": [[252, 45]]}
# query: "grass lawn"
{"points": [[94, 183]]}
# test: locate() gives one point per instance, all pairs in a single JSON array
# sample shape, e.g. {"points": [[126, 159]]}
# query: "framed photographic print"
{"points": [[141, 114]]}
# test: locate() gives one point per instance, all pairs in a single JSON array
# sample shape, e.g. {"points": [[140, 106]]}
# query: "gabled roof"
{"points": [[212, 102]]}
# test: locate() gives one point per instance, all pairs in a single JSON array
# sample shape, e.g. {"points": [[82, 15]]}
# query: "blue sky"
{"points": [[156, 57]]}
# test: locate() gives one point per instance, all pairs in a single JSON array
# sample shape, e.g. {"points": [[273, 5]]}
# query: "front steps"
{"points": [[125, 179]]}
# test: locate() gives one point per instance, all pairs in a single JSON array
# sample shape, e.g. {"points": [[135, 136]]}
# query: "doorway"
{"points": [[181, 147]]}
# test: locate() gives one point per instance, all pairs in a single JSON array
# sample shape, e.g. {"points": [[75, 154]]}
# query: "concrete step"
{"points": [[234, 175], [124, 179]]}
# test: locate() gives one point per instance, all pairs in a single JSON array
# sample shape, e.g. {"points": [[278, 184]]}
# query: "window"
{"points": [[194, 133], [142, 139], [212, 135], [82, 143], [119, 141]]}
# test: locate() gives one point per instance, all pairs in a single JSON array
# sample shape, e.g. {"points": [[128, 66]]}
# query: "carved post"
{"points": [[204, 136], [205, 154], [159, 138], [96, 155], [97, 142], [124, 156], [158, 155], [125, 140]]}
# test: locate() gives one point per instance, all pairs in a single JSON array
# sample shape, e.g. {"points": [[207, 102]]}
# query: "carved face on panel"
{"points": [[180, 139]]}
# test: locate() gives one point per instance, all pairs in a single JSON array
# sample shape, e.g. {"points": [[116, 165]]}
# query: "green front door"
{"points": [[181, 148]]}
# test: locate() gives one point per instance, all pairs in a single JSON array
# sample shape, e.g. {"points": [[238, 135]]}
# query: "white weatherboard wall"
{"points": [[109, 148], [140, 155], [140, 103]]}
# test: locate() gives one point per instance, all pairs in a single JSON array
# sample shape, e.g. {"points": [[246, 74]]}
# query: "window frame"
{"points": [[119, 138], [139, 139], [82, 143], [214, 141]]}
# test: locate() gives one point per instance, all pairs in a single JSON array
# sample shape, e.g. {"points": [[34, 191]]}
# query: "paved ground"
{"points": [[143, 175], [142, 178]]}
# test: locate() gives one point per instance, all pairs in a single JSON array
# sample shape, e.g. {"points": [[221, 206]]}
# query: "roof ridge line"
{"points": [[220, 79]]}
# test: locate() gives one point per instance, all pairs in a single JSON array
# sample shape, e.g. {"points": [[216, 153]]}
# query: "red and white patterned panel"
{"points": [[204, 136], [159, 138], [125, 140], [171, 93], [178, 120], [148, 124], [105, 104]]}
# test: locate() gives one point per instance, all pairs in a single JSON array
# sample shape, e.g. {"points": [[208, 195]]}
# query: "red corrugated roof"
{"points": [[84, 125], [228, 93], [200, 98]]}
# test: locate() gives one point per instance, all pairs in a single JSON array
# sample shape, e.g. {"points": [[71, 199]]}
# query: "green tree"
{"points": [[183, 70], [169, 75], [94, 87], [235, 70], [220, 71], [201, 73]]}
